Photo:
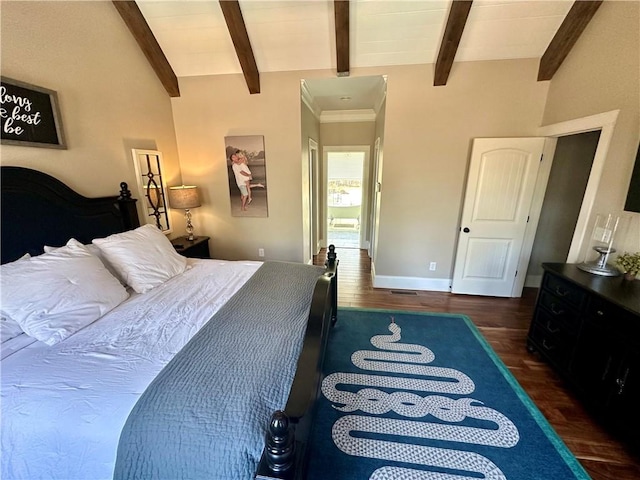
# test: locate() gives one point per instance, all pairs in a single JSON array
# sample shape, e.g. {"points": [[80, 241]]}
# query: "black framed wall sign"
{"points": [[29, 115]]}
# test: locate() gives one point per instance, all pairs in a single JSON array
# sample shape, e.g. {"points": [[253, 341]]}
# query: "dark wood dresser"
{"points": [[588, 328]]}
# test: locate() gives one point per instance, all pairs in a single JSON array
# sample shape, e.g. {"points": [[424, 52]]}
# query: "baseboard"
{"points": [[533, 281], [409, 283]]}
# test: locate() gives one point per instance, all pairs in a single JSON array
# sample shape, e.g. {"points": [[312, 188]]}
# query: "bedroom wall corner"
{"points": [[602, 74], [211, 108], [109, 96], [428, 133]]}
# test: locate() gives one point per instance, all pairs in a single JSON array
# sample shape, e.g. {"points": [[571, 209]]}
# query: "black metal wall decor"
{"points": [[152, 187], [30, 115]]}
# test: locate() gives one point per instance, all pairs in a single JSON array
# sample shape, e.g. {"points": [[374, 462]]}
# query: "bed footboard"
{"points": [[285, 452]]}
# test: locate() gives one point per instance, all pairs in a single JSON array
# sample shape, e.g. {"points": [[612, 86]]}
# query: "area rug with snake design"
{"points": [[409, 395]]}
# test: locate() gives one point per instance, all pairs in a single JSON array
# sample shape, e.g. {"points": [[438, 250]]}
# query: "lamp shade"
{"points": [[184, 196]]}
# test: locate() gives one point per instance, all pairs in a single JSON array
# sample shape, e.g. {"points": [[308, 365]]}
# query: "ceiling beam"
{"points": [[140, 30], [450, 40], [240, 38], [341, 11], [565, 38]]}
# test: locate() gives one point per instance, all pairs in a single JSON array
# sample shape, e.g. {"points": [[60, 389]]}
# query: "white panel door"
{"points": [[500, 187]]}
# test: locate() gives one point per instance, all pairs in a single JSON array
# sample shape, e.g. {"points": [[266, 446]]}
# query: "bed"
{"points": [[144, 363]]}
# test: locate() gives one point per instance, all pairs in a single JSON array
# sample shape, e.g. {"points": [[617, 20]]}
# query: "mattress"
{"points": [[93, 379]]}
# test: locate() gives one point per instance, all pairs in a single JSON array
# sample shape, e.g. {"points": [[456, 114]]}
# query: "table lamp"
{"points": [[185, 197]]}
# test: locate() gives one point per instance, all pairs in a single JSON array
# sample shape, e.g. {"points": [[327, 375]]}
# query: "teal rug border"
{"points": [[562, 449]]}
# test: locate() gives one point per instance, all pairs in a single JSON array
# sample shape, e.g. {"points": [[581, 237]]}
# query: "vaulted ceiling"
{"points": [[189, 38]]}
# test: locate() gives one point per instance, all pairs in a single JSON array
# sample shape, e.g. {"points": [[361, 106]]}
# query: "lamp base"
{"points": [[190, 236]]}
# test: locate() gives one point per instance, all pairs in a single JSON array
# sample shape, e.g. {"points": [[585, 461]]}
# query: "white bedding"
{"points": [[63, 406]]}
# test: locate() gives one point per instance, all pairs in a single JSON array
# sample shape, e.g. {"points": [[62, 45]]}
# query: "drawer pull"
{"points": [[547, 346], [555, 310], [550, 328], [562, 291], [621, 382]]}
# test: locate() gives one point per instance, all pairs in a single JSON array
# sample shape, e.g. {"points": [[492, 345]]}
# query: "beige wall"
{"points": [[348, 133], [110, 98], [213, 107], [428, 131], [602, 73], [427, 139]]}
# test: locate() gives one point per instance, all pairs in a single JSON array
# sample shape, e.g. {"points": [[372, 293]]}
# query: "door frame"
{"points": [[605, 122], [314, 196], [366, 188], [376, 185], [534, 214]]}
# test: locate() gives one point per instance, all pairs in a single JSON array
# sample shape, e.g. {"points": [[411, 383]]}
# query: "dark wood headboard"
{"points": [[38, 209]]}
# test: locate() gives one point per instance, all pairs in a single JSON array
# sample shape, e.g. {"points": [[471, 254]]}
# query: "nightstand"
{"points": [[198, 248]]}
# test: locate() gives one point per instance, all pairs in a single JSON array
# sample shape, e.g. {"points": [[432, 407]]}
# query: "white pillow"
{"points": [[9, 328], [55, 294], [95, 251], [144, 258]]}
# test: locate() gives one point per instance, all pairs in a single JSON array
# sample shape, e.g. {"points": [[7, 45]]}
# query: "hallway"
{"points": [[344, 237]]}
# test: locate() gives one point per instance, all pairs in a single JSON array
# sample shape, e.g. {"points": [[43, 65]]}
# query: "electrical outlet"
{"points": [[261, 252], [432, 266]]}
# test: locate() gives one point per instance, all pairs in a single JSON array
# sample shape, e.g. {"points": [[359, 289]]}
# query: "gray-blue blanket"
{"points": [[206, 413]]}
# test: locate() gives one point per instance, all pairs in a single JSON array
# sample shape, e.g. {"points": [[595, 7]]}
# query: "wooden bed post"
{"points": [[279, 447], [332, 266], [127, 206]]}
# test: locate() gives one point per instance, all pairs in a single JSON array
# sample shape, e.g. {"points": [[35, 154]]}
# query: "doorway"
{"points": [[566, 187], [605, 124], [345, 176], [338, 101]]}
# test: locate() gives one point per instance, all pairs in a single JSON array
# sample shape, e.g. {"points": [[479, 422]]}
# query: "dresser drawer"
{"points": [[613, 318], [587, 327], [552, 341], [560, 310], [566, 291]]}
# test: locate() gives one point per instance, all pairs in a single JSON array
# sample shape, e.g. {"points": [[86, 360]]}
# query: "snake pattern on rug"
{"points": [[413, 359]]}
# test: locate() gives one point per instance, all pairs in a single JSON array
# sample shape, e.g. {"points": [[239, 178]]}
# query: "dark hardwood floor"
{"points": [[504, 322]]}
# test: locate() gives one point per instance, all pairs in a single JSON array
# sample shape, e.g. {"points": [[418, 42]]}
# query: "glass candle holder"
{"points": [[607, 233]]}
